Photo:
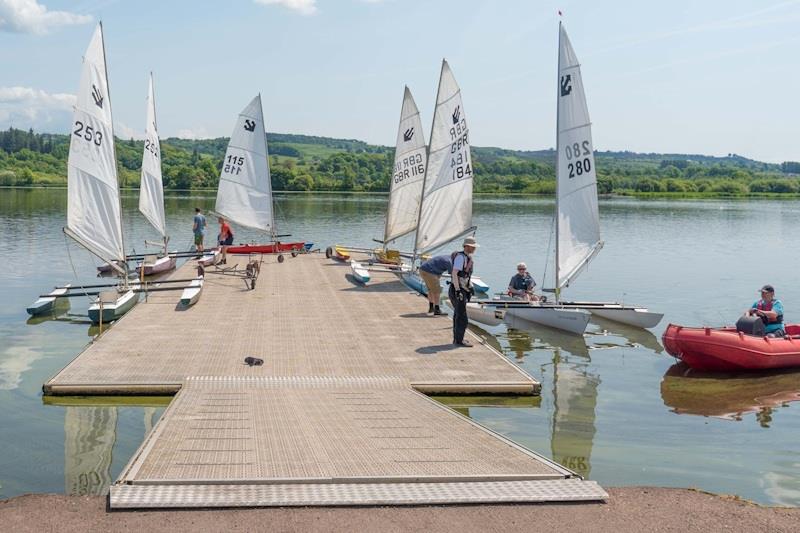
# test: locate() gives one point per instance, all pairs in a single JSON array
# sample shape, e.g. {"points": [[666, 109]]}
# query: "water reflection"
{"points": [[89, 437], [729, 396]]}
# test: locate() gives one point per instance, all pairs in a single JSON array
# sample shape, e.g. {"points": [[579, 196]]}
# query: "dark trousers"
{"points": [[459, 314]]}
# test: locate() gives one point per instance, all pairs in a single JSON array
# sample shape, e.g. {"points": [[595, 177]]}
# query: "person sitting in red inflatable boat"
{"points": [[770, 310]]}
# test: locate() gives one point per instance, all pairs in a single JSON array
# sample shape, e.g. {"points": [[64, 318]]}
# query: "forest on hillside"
{"points": [[308, 163]]}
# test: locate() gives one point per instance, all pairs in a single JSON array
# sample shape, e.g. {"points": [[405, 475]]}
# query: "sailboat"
{"points": [[577, 217], [445, 211], [244, 195], [94, 214], [151, 191]]}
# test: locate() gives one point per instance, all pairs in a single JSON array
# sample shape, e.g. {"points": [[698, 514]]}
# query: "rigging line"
{"points": [[547, 255]]}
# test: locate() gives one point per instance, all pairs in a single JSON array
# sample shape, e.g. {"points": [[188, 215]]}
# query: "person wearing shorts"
{"points": [[199, 229], [431, 273], [224, 239]]}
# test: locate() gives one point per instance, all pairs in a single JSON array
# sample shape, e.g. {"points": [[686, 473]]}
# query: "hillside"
{"points": [[308, 163]]}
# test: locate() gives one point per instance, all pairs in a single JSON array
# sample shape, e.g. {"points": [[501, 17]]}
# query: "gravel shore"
{"points": [[629, 509]]}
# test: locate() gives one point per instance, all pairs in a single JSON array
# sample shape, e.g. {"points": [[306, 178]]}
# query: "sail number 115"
{"points": [[577, 153]]}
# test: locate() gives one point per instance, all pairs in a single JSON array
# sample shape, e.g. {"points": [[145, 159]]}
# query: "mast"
{"points": [[558, 133], [155, 124], [427, 160], [114, 153]]}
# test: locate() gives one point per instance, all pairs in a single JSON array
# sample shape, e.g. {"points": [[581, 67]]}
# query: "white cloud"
{"points": [[199, 133], [123, 131], [29, 16], [304, 7], [24, 107]]}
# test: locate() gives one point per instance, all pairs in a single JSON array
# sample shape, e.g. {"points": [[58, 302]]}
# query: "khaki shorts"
{"points": [[432, 282]]}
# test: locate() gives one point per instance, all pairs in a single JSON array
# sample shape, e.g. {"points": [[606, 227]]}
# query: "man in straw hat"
{"points": [[461, 289]]}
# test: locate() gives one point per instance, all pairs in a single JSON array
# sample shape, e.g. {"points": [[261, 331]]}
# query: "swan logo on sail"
{"points": [[566, 85], [98, 98], [408, 134], [250, 125], [457, 114]]}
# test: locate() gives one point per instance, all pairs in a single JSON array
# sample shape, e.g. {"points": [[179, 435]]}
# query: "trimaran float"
{"points": [[244, 195], [577, 219]]}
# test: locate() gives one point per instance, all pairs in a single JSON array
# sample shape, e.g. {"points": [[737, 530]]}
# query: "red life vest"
{"points": [[767, 306]]}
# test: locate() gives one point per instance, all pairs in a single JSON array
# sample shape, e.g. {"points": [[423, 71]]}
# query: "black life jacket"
{"points": [[767, 306], [466, 272]]}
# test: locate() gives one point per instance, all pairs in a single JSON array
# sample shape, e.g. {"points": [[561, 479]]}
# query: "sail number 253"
{"points": [[87, 133], [577, 154]]}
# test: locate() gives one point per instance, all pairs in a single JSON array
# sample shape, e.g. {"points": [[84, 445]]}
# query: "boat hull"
{"points": [[564, 318], [210, 258], [727, 350], [113, 310], [47, 304], [639, 317], [483, 314], [162, 264], [360, 273], [269, 248], [191, 294]]}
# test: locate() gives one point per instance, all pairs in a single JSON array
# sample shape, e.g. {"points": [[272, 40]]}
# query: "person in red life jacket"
{"points": [[224, 239], [461, 289], [770, 310]]}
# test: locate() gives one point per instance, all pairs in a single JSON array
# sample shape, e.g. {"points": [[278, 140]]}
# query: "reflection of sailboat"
{"points": [[690, 392], [636, 335], [546, 337], [574, 403], [89, 437]]}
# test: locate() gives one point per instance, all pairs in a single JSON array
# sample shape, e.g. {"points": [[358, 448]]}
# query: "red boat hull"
{"points": [[727, 350], [271, 248]]}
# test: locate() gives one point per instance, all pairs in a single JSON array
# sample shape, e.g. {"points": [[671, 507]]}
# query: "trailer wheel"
{"points": [[294, 253], [280, 258], [328, 252]]}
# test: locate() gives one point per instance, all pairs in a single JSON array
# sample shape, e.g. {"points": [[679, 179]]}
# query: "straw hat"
{"points": [[470, 241]]}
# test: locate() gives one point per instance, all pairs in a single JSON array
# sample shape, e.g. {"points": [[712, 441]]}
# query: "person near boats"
{"points": [[461, 289], [522, 284], [431, 273], [199, 229], [225, 238], [770, 310]]}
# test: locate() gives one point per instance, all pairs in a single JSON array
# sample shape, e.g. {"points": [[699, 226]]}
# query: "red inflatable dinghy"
{"points": [[271, 248], [728, 350]]}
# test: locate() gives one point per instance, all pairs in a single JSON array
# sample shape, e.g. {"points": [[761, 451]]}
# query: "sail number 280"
{"points": [[87, 133], [578, 153]]}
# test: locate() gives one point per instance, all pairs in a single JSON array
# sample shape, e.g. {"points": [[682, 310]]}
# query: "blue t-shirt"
{"points": [[777, 306], [437, 265], [522, 283], [199, 224]]}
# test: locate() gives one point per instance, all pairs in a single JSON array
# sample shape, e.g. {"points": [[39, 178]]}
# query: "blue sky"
{"points": [[709, 77]]}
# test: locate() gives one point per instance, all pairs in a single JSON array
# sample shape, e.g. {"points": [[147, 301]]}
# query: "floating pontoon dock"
{"points": [[336, 415]]}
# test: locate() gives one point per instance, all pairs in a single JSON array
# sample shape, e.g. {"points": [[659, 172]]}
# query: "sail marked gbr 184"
{"points": [[245, 193], [93, 200], [578, 222], [446, 210], [408, 173]]}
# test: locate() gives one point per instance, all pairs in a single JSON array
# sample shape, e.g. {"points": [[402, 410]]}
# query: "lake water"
{"points": [[614, 406]]}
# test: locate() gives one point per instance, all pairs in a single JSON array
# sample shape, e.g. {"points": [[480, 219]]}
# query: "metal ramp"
{"points": [[282, 441]]}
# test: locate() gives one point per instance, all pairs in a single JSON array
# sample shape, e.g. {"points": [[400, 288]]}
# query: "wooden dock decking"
{"points": [[335, 416]]}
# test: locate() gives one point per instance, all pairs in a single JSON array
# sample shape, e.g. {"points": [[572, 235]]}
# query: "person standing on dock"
{"points": [[199, 229], [224, 239], [431, 272], [461, 289]]}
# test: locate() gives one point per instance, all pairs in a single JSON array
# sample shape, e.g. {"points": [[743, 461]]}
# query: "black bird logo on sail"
{"points": [[457, 114], [566, 85], [97, 97], [408, 134], [250, 125]]}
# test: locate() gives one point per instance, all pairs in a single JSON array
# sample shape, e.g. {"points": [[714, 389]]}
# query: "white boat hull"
{"points": [[485, 314], [112, 310], [210, 258], [359, 272], [46, 304], [639, 317], [563, 318], [191, 294], [162, 264]]}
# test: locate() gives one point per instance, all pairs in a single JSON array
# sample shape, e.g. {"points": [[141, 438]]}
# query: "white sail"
{"points": [[446, 210], [578, 221], [93, 204], [408, 173], [151, 190], [245, 193]]}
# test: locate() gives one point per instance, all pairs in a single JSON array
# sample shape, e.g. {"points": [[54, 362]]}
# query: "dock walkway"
{"points": [[336, 414]]}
